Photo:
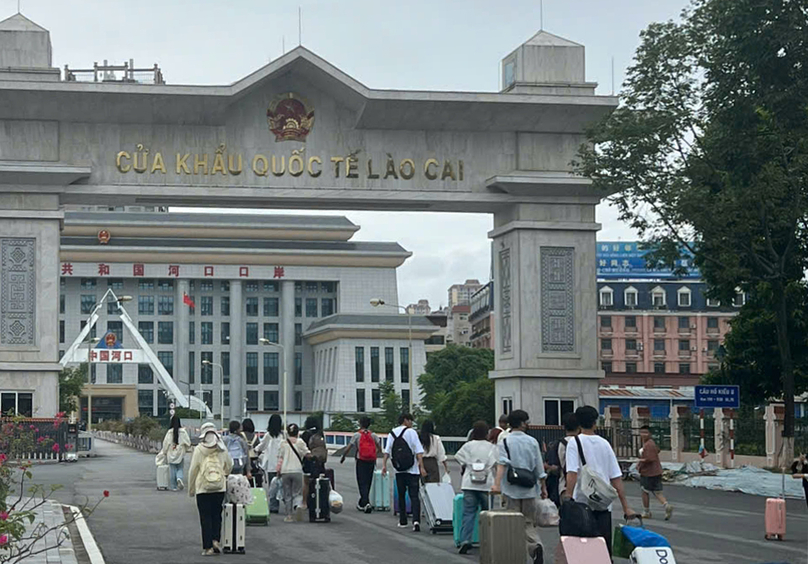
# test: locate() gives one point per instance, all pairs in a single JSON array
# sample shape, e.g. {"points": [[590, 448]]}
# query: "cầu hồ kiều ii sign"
{"points": [[142, 160]]}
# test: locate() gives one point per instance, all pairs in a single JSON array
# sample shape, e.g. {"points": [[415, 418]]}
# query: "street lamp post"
{"points": [[89, 343], [264, 341], [376, 302], [221, 381]]}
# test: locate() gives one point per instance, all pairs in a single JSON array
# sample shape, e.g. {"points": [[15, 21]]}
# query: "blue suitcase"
{"points": [[395, 500], [457, 522], [380, 491]]}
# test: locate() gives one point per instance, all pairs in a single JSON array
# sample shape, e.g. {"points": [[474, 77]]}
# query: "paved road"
{"points": [[137, 524]]}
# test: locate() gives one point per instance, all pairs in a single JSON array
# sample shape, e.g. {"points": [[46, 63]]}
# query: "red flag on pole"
{"points": [[186, 299]]}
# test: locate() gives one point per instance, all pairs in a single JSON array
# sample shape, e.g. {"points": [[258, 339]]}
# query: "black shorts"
{"points": [[651, 484]]}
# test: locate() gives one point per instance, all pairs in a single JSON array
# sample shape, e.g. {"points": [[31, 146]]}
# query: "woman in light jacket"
{"points": [[434, 453], [268, 452], [175, 444], [290, 469], [477, 459], [207, 480]]}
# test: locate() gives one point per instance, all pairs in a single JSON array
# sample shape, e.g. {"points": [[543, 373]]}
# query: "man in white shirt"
{"points": [[408, 460], [600, 459]]}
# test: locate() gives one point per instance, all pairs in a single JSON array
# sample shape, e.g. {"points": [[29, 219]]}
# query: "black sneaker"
{"points": [[368, 509], [464, 548], [416, 527], [538, 558]]}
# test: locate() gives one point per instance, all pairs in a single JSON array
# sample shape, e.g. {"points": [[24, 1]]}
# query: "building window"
{"points": [[684, 345], [405, 399], [631, 344], [206, 305], [92, 334], [555, 410], [659, 324], [606, 297], [145, 284], [206, 286], [298, 334], [252, 368], [712, 367], [606, 367], [87, 303], [112, 308], [658, 297], [631, 322], [328, 287], [298, 369], [225, 306], [225, 336], [166, 358], [61, 303], [114, 373], [21, 403], [165, 332], [88, 283], [374, 364], [252, 400], [145, 375], [328, 306], [360, 400], [659, 368], [271, 307], [311, 307], [712, 324], [116, 327], [712, 347], [145, 305], [684, 323], [225, 286], [606, 345], [191, 367], [252, 307], [659, 345], [713, 302], [225, 362], [271, 400], [115, 283], [684, 368], [298, 401], [405, 365], [271, 361], [145, 402], [61, 330], [630, 296], [206, 372], [271, 332], [375, 398], [631, 368], [226, 398], [191, 332], [683, 296], [606, 321], [389, 365], [162, 404], [252, 334], [206, 332], [359, 363], [251, 287], [168, 285], [165, 305], [298, 307], [271, 286], [739, 300], [146, 330]]}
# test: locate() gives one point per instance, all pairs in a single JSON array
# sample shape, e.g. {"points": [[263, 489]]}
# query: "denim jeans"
{"points": [[175, 472], [472, 500]]}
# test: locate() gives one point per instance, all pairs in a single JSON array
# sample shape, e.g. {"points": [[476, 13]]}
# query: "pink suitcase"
{"points": [[579, 550], [775, 518]]}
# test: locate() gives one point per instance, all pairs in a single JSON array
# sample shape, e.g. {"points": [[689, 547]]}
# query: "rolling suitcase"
{"points": [[380, 491], [438, 502], [457, 522], [233, 524], [502, 537], [775, 518], [162, 477], [257, 513], [395, 499], [319, 507], [575, 550], [652, 555]]}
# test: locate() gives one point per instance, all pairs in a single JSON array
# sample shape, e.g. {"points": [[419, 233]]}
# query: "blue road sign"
{"points": [[718, 396]]}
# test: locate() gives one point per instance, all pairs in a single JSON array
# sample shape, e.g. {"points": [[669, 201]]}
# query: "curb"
{"points": [[93, 552]]}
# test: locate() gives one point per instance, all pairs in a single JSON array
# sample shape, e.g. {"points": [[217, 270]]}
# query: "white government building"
{"points": [[290, 279]]}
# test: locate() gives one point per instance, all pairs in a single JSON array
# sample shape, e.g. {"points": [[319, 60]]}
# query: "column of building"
{"points": [[237, 393], [181, 336], [287, 333]]}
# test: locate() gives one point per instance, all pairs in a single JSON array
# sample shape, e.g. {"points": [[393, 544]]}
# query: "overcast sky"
{"points": [[401, 44]]}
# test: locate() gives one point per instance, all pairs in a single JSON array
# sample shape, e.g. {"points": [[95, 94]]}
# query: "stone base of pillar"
{"points": [[677, 435], [529, 392]]}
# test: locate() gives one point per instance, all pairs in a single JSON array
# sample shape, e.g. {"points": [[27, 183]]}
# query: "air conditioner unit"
{"points": [[693, 326], [694, 349], [639, 346], [704, 349]]}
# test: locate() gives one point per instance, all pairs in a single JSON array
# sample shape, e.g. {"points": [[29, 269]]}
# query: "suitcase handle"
{"points": [[636, 516]]}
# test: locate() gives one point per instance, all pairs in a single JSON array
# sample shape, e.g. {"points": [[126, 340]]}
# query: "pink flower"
{"points": [[3, 458], [33, 427], [3, 515], [55, 447], [106, 493], [41, 440], [3, 540], [68, 447]]}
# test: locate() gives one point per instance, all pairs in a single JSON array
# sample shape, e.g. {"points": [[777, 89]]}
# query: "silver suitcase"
{"points": [[233, 526], [502, 537], [162, 477], [438, 502]]}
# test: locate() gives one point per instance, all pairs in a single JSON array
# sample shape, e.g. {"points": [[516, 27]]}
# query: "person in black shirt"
{"points": [[800, 470]]}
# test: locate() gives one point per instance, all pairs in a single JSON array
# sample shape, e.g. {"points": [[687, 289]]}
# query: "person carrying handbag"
{"points": [[290, 469]]}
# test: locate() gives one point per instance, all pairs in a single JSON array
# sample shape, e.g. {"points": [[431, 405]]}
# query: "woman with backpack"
{"points": [[237, 449], [477, 459], [268, 459], [207, 480], [290, 469], [367, 445], [175, 444], [434, 453], [248, 432]]}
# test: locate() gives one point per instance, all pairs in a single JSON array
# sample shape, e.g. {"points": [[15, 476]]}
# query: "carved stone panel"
{"points": [[18, 291], [505, 329], [557, 299]]}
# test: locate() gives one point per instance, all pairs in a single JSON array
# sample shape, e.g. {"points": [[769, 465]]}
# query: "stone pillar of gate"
{"points": [[29, 297], [237, 393], [182, 335], [640, 415], [288, 342], [774, 416], [721, 442], [678, 412], [544, 265]]}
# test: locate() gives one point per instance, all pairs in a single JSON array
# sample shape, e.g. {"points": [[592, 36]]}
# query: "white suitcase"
{"points": [[233, 526], [653, 555], [438, 502], [162, 477]]}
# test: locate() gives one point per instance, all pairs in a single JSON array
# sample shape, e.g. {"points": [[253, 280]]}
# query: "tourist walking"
{"points": [[175, 444], [207, 480], [520, 493], [493, 434], [477, 459], [800, 470], [407, 454], [366, 445], [268, 451], [572, 429], [290, 470], [650, 469], [434, 453], [237, 449], [600, 459], [252, 440]]}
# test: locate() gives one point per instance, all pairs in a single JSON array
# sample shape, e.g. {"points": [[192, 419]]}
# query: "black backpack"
{"points": [[402, 456], [552, 453]]}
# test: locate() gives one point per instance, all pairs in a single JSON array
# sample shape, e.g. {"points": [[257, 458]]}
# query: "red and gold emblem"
{"points": [[110, 340], [290, 117], [103, 236]]}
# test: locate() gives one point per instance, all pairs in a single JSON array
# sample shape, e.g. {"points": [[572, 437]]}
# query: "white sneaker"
{"points": [[180, 485], [400, 526]]}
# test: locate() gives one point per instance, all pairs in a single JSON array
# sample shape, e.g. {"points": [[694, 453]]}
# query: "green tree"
{"points": [[456, 411], [342, 422], [708, 153], [391, 408], [71, 382]]}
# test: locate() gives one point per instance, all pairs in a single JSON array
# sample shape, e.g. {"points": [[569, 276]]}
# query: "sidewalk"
{"points": [[47, 516]]}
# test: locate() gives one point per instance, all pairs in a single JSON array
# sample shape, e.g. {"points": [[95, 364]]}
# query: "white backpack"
{"points": [[598, 492], [479, 473]]}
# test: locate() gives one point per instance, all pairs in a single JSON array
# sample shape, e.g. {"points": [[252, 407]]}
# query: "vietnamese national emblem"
{"points": [[290, 117]]}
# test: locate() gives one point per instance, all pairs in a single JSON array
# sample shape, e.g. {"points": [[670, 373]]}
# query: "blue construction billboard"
{"points": [[626, 259]]}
